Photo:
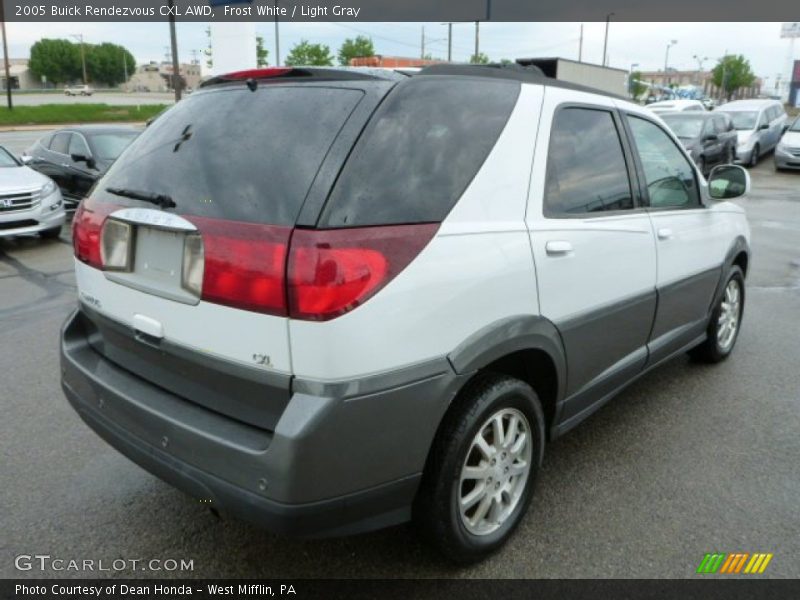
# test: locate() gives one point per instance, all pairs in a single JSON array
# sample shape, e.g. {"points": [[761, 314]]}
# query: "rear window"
{"points": [[420, 151], [233, 153]]}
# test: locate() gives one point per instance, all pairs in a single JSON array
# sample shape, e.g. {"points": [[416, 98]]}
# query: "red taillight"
{"points": [[244, 264], [87, 227], [332, 271]]}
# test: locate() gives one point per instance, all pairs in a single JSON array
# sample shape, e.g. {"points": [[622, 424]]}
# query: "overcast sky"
{"points": [[643, 43]]}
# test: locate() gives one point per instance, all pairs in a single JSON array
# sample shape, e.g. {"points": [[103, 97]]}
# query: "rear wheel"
{"points": [[480, 475], [726, 318]]}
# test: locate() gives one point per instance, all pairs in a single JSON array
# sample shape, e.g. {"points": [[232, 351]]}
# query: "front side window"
{"points": [[668, 174], [77, 145], [586, 170]]}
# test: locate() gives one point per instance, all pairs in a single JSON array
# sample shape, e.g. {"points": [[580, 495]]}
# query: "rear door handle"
{"points": [[558, 248], [665, 233]]}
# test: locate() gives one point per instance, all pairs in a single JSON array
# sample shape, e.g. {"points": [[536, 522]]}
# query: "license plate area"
{"points": [[157, 264]]}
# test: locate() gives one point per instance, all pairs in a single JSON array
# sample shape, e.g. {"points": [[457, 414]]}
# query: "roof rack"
{"points": [[303, 73], [512, 71]]}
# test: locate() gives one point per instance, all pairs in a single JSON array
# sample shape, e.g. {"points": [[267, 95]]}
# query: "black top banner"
{"points": [[401, 10]]}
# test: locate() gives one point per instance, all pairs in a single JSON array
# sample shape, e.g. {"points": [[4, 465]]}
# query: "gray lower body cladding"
{"points": [[344, 459]]}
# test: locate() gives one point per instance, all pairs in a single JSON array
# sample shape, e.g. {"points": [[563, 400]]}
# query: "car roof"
{"points": [[752, 104], [687, 114]]}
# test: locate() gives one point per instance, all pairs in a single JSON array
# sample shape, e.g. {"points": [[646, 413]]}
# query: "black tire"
{"points": [[436, 511], [710, 351], [754, 157], [51, 234]]}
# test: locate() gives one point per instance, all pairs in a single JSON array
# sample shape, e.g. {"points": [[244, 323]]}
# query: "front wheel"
{"points": [[481, 471], [754, 157], [725, 322]]}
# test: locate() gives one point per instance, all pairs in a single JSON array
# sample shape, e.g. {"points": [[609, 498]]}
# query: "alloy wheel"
{"points": [[495, 471]]}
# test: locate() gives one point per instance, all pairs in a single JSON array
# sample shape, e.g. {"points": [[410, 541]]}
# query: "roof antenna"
{"points": [[252, 84]]}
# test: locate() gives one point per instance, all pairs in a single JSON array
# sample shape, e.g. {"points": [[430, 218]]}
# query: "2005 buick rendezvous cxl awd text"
{"points": [[334, 300]]}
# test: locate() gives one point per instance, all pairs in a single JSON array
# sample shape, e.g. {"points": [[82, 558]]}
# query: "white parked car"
{"points": [[29, 201], [759, 126], [385, 312], [78, 90], [676, 106]]}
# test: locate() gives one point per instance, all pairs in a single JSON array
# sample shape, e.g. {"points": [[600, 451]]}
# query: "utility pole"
{"points": [[477, 39], [125, 66], [176, 69], [5, 55], [449, 41], [605, 40], [666, 61], [277, 38], [422, 46], [79, 37], [580, 45]]}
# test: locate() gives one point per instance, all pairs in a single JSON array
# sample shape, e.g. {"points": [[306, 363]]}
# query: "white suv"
{"points": [[329, 301]]}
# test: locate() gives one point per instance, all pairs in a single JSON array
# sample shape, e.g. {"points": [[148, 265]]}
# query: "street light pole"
{"points": [[79, 37], [605, 40], [666, 61], [449, 42], [5, 56]]}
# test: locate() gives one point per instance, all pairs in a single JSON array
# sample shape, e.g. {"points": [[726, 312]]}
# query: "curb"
{"points": [[48, 126]]}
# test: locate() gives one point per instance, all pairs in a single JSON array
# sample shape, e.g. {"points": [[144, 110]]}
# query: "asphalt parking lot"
{"points": [[690, 459]]}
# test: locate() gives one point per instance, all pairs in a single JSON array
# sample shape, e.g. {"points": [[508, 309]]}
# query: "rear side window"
{"points": [[420, 151], [60, 142], [235, 154], [586, 170]]}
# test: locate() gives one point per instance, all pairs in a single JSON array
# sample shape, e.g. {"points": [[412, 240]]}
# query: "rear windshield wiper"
{"points": [[161, 200]]}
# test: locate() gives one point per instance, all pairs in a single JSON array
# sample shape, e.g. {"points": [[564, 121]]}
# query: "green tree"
{"points": [[261, 52], [506, 61], [355, 48], [58, 60], [313, 55], [109, 63], [732, 73], [635, 85], [479, 59]]}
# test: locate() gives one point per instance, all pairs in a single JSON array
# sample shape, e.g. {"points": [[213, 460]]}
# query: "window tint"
{"points": [[668, 174], [233, 153], [60, 142], [77, 145], [586, 169], [420, 151]]}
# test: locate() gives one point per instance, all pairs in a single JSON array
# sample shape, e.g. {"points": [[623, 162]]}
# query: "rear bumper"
{"points": [[334, 465]]}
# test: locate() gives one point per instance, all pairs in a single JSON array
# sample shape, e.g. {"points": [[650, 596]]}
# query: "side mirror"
{"points": [[711, 137], [764, 126], [728, 181], [83, 158], [785, 127], [26, 159]]}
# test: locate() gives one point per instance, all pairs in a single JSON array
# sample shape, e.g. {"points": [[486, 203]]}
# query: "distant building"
{"points": [[157, 77], [703, 80], [391, 62], [21, 76]]}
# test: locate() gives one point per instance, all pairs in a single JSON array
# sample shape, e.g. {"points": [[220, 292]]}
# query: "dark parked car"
{"points": [[78, 156], [710, 138]]}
